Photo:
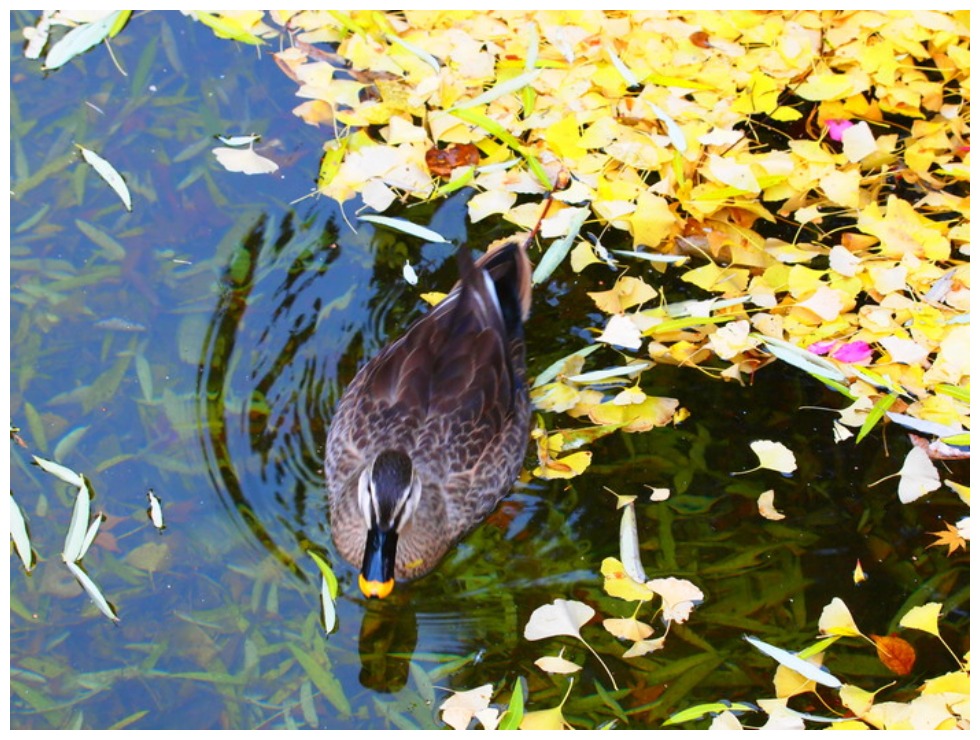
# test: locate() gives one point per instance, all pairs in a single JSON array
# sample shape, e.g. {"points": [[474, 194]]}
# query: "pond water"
{"points": [[196, 347]]}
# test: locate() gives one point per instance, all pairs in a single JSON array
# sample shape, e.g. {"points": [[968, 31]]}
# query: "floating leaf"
{"points": [[408, 272], [561, 617], [504, 88], [790, 660], [618, 582], [155, 510], [629, 628], [548, 719], [925, 618], [407, 227], [78, 527], [557, 664], [917, 477], [511, 719], [896, 654], [629, 545], [80, 39], [767, 506], [108, 173], [559, 249], [680, 597], [93, 530], [59, 471], [18, 533], [329, 588], [836, 619], [247, 161], [462, 706], [697, 712], [801, 358], [93, 591], [774, 456]]}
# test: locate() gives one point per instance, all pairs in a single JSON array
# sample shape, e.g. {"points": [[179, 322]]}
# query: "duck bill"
{"points": [[377, 577]]}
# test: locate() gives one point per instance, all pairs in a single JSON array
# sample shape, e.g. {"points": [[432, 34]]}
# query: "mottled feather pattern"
{"points": [[451, 393]]}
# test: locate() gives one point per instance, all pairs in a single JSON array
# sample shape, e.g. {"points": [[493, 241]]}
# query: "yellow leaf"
{"points": [[788, 682], [628, 292], [619, 584], [544, 719], [557, 664], [582, 255], [652, 221], [836, 619], [925, 618], [639, 417], [433, 298], [628, 629], [904, 231]]}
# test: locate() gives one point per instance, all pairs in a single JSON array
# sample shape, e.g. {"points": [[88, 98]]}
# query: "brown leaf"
{"points": [[442, 162], [896, 654]]}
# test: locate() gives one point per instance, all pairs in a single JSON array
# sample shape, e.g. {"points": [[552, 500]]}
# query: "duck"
{"points": [[432, 432]]}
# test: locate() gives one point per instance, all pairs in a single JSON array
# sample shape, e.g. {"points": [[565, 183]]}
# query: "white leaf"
{"points": [[674, 132], [558, 250], [244, 160], [791, 661], [680, 597], [774, 455], [924, 426], [628, 371], [238, 140], [59, 471], [78, 527], [504, 88], [408, 272], [767, 506], [461, 707], [155, 509], [557, 664], [18, 533], [561, 617], [328, 605], [621, 332], [917, 477], [93, 530], [407, 227], [653, 257], [108, 173], [417, 51], [93, 591], [629, 545], [801, 358], [625, 72], [80, 40]]}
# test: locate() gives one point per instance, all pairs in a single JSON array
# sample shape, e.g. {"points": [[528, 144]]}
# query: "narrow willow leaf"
{"points": [[408, 272], [93, 591], [238, 140], [417, 51], [495, 129], [108, 173], [924, 426], [559, 249], [625, 72], [627, 371], [460, 181], [306, 704], [674, 132], [696, 712], [958, 440], [874, 415], [145, 376], [551, 372], [78, 527], [677, 259], [406, 227], [629, 545], [79, 40], [801, 358], [93, 530], [18, 533], [329, 588], [227, 28], [113, 249], [67, 443], [795, 663], [155, 510], [60, 471], [960, 394], [504, 88]]}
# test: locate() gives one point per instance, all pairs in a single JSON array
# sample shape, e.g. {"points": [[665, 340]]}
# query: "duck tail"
{"points": [[507, 264]]}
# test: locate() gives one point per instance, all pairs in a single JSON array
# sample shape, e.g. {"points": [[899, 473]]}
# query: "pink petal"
{"points": [[837, 126], [821, 348], [853, 352]]}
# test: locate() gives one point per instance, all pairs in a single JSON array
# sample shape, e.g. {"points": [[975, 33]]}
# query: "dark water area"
{"points": [[199, 351]]}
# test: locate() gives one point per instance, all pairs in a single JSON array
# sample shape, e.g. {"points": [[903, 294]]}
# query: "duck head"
{"points": [[388, 493]]}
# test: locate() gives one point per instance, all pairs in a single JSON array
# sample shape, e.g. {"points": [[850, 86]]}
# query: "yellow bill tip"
{"points": [[375, 589]]}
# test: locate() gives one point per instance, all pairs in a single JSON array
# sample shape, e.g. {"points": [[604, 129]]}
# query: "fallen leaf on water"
{"points": [[462, 706], [548, 719], [244, 160], [680, 597], [896, 654], [951, 538], [925, 618], [629, 628], [618, 582], [557, 664], [767, 506], [836, 619], [917, 477]]}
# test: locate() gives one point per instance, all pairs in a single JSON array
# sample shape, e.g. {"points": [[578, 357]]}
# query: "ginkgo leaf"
{"points": [[643, 647], [679, 596], [918, 476], [462, 706], [773, 456], [561, 617], [792, 661], [925, 618], [244, 160], [767, 506], [836, 619], [557, 664], [547, 719], [618, 582], [628, 628], [788, 682]]}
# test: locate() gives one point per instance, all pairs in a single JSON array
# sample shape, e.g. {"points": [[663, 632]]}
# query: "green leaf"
{"points": [[495, 129], [559, 249], [322, 678], [696, 712], [874, 415], [227, 28], [511, 719]]}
